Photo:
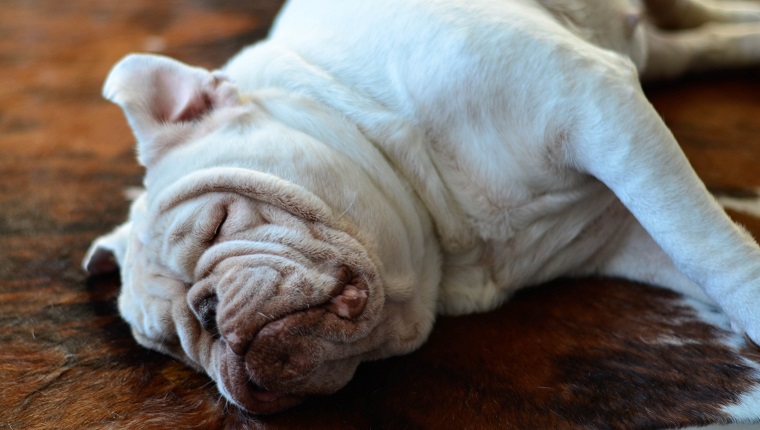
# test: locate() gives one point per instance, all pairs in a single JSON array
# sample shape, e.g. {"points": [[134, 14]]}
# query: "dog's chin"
{"points": [[240, 390], [256, 400]]}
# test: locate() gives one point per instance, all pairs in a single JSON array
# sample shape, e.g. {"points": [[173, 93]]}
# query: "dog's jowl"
{"points": [[319, 199]]}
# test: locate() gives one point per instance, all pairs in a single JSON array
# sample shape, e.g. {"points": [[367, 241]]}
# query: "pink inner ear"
{"points": [[183, 98], [196, 108], [100, 261], [158, 93]]}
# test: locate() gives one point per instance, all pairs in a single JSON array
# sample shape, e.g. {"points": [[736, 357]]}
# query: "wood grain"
{"points": [[558, 356]]}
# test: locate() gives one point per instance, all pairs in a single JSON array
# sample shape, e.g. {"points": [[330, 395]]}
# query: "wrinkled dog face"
{"points": [[273, 305], [239, 273]]}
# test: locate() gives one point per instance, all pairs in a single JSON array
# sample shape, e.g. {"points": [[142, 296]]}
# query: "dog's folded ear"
{"points": [[164, 99], [107, 253]]}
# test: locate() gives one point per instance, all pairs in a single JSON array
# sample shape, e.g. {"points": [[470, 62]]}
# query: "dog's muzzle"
{"points": [[287, 330]]}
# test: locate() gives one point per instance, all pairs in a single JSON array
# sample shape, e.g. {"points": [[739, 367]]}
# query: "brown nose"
{"points": [[204, 309], [350, 295]]}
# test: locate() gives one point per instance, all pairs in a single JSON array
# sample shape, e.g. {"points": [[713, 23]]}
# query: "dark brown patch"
{"points": [[575, 354], [738, 193]]}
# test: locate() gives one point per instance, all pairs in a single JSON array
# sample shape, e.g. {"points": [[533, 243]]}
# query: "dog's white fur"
{"points": [[457, 150]]}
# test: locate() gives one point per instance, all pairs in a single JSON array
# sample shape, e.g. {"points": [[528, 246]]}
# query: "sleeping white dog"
{"points": [[321, 198]]}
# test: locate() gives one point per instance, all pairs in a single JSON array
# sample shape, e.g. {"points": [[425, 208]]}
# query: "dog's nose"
{"points": [[204, 308], [349, 297]]}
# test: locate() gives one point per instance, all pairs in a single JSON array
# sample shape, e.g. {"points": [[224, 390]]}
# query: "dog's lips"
{"points": [[273, 370], [271, 400], [260, 401], [267, 396], [250, 397]]}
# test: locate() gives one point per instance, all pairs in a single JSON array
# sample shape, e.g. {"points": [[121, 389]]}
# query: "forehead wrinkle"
{"points": [[182, 225], [256, 185]]}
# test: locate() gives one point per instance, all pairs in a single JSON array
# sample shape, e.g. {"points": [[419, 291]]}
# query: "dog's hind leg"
{"points": [[710, 47], [632, 254], [700, 35], [619, 138], [687, 14]]}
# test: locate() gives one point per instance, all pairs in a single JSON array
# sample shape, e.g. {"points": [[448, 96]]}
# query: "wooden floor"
{"points": [[68, 361]]}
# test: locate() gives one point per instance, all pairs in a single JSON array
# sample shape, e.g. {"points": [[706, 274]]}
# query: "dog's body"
{"points": [[375, 163]]}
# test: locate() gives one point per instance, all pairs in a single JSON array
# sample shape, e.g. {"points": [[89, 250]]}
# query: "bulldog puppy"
{"points": [[321, 198]]}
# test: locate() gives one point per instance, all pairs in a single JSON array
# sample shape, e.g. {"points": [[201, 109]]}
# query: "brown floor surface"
{"points": [[68, 361]]}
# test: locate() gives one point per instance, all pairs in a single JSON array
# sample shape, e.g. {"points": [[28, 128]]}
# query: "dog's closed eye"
{"points": [[210, 226], [218, 229]]}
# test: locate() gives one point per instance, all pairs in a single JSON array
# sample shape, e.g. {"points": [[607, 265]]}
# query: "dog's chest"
{"points": [[523, 238], [512, 196], [532, 221]]}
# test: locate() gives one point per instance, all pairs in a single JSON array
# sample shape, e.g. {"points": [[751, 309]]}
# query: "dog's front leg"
{"points": [[617, 136]]}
